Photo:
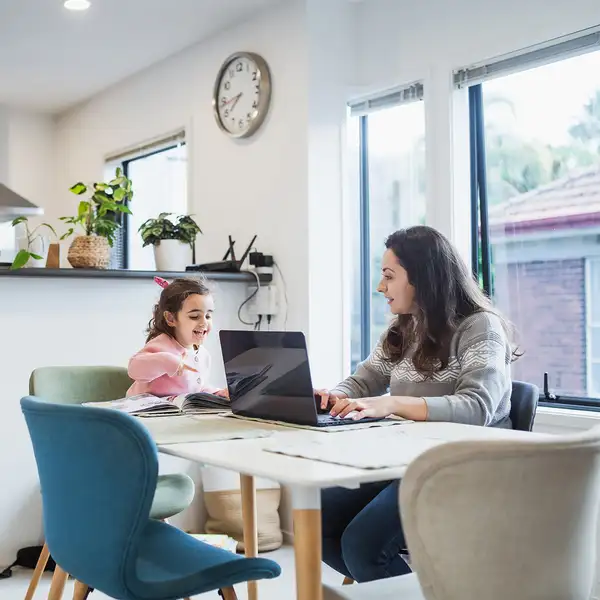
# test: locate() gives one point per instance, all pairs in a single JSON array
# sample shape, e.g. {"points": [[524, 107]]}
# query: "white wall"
{"points": [[26, 162], [331, 29], [31, 169], [238, 187], [54, 322]]}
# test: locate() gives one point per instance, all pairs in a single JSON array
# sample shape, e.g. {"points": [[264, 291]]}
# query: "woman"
{"points": [[445, 357]]}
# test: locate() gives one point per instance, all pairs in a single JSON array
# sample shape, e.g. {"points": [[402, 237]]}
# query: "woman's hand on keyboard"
{"points": [[328, 398], [379, 407]]}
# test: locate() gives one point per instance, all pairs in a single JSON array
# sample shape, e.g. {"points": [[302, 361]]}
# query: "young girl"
{"points": [[174, 361]]}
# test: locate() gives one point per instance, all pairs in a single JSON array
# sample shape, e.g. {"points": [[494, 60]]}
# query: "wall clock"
{"points": [[242, 94]]}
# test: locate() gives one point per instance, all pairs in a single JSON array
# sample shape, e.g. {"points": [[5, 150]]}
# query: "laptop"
{"points": [[268, 377]]}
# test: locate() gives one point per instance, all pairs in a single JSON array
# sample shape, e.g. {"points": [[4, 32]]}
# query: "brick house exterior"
{"points": [[543, 245], [542, 287]]}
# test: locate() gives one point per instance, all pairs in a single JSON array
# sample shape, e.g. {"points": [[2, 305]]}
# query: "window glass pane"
{"points": [[594, 343], [542, 129], [159, 185], [595, 379], [396, 151]]}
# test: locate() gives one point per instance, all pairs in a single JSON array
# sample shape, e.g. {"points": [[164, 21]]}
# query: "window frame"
{"points": [[361, 109], [576, 45], [590, 325], [124, 161]]}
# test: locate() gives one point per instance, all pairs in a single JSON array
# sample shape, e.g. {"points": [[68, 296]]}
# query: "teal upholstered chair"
{"points": [[75, 385], [101, 531]]}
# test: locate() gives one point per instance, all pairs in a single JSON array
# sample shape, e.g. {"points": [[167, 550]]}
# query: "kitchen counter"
{"points": [[243, 276]]}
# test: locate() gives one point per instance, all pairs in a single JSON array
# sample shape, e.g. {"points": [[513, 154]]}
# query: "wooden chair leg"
{"points": [[37, 573], [81, 591], [57, 587], [249, 517], [347, 581], [228, 594]]}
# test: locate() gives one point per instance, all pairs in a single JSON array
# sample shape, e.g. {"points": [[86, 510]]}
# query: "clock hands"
{"points": [[235, 100]]}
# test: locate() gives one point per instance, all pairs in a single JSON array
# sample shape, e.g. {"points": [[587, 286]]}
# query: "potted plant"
{"points": [[173, 240], [33, 247], [100, 218]]}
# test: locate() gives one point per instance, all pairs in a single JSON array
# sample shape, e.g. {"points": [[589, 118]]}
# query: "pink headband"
{"points": [[162, 282]]}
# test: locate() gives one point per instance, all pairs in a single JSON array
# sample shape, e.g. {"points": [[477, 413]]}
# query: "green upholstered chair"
{"points": [[75, 385]]}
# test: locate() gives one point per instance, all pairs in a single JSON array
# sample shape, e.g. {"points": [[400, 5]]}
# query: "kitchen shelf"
{"points": [[243, 276]]}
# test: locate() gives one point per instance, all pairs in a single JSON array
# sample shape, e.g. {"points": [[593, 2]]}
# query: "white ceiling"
{"points": [[52, 58]]}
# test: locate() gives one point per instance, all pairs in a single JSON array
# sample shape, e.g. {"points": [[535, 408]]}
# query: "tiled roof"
{"points": [[575, 195]]}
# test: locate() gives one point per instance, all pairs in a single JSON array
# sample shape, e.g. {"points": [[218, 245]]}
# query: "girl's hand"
{"points": [[184, 367], [328, 397], [380, 407], [222, 393]]}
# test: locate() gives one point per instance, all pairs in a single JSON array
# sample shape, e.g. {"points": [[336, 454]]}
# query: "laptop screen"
{"points": [[268, 375]]}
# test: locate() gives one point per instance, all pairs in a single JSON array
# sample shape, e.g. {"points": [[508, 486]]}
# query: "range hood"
{"points": [[12, 205]]}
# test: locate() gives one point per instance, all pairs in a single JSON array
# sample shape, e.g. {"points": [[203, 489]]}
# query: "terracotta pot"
{"points": [[89, 252]]}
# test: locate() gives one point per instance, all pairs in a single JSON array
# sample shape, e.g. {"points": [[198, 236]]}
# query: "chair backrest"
{"points": [[505, 519], [98, 471], [74, 385], [523, 405]]}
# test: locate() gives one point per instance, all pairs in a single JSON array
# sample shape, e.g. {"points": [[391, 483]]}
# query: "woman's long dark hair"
{"points": [[445, 294]]}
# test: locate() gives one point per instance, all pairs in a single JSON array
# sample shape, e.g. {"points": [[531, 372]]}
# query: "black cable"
{"points": [[248, 300], [269, 317], [244, 304]]}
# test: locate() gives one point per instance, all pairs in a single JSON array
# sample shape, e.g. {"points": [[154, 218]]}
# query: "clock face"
{"points": [[242, 94]]}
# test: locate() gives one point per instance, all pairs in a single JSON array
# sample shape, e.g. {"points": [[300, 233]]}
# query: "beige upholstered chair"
{"points": [[498, 520]]}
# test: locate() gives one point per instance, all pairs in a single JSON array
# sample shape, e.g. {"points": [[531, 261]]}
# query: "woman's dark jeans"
{"points": [[362, 531]]}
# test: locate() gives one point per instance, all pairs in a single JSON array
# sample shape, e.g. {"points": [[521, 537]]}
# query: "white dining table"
{"points": [[306, 478]]}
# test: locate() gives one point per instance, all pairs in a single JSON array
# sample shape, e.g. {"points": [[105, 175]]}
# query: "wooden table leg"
{"points": [[306, 503], [37, 573], [57, 587], [250, 526]]}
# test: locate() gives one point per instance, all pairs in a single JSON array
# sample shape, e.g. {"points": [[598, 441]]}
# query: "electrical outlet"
{"points": [[266, 301]]}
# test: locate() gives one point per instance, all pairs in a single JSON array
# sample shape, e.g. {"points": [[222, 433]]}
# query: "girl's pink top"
{"points": [[157, 369]]}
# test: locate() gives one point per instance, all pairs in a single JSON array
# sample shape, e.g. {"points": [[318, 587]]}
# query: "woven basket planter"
{"points": [[89, 252]]}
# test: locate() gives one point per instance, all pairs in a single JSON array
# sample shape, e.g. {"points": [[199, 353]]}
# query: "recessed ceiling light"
{"points": [[77, 4]]}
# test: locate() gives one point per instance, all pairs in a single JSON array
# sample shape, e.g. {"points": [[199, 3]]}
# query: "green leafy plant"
{"points": [[100, 214], [184, 229], [23, 256]]}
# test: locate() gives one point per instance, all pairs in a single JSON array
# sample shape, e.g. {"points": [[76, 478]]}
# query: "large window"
{"points": [[390, 138], [536, 164], [159, 178]]}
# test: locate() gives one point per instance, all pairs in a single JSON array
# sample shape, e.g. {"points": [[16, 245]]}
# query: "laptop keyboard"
{"points": [[329, 421]]}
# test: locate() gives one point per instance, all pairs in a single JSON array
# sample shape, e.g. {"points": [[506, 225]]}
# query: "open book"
{"points": [[146, 405]]}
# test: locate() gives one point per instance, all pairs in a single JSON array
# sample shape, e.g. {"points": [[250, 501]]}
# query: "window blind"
{"points": [[403, 95], [527, 59], [148, 147]]}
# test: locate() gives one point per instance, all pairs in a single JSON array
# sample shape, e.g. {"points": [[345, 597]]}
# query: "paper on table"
{"points": [[332, 429], [363, 450], [184, 429]]}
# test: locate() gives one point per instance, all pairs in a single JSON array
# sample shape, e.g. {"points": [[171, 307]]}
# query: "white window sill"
{"points": [[565, 418]]}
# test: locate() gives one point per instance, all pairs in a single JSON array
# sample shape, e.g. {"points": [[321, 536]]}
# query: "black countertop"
{"points": [[244, 276]]}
